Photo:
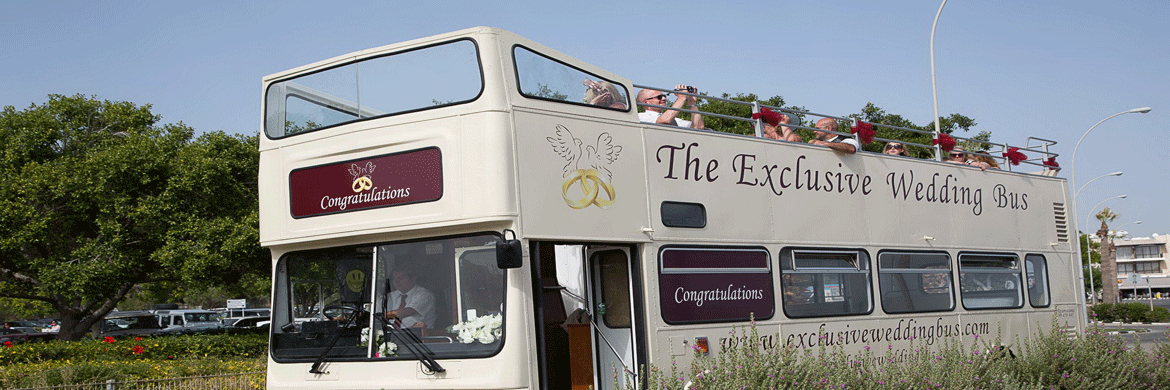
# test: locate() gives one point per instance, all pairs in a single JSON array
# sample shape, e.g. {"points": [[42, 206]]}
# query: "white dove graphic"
{"points": [[597, 157]]}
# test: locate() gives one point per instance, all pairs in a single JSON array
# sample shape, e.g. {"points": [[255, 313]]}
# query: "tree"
{"points": [[1109, 291], [739, 110], [1090, 253], [874, 114], [96, 198]]}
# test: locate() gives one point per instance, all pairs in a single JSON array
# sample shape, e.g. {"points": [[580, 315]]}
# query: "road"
{"points": [[1149, 335]]}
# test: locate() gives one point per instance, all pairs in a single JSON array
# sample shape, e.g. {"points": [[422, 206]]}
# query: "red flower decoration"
{"points": [[139, 338], [770, 117], [109, 339], [864, 132], [7, 344], [1051, 162], [1014, 156], [137, 350], [945, 142]]}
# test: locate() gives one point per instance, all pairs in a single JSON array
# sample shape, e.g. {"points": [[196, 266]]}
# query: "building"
{"points": [[1145, 257]]}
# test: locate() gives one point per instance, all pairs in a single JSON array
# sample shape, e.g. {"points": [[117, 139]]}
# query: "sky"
{"points": [[1044, 68]]}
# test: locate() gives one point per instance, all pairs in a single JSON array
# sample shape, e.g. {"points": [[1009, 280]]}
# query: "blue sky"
{"points": [[1045, 68]]}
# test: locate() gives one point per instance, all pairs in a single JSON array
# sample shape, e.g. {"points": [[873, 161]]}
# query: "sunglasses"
{"points": [[660, 96], [958, 155], [894, 146]]}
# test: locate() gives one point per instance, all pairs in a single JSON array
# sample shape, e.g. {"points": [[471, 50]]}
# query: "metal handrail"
{"points": [[756, 107]]}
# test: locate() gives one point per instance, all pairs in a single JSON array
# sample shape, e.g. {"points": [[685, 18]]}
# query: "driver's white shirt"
{"points": [[419, 299]]}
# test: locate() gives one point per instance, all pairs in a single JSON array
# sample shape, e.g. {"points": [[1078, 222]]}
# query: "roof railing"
{"points": [[996, 151]]}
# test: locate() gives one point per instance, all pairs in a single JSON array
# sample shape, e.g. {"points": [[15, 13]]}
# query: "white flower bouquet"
{"points": [[485, 329], [385, 347]]}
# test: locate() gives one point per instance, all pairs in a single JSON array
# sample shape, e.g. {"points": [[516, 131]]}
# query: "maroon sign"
{"points": [[715, 285], [390, 180]]}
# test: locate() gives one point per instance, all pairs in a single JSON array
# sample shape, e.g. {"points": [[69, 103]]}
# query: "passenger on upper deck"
{"points": [[895, 148], [604, 93], [785, 132], [655, 114], [838, 143], [960, 156]]}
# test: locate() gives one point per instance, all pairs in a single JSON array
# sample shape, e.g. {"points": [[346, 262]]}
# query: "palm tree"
{"points": [[1108, 261], [1106, 216]]}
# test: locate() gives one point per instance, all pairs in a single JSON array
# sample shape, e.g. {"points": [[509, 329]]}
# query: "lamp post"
{"points": [[1072, 164], [1078, 193], [1093, 296], [1118, 229], [933, 87]]}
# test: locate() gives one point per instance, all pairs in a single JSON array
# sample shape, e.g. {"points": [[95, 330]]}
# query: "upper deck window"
{"points": [[413, 80], [545, 78]]}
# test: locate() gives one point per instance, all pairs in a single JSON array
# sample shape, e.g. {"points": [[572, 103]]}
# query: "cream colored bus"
{"points": [[474, 210]]}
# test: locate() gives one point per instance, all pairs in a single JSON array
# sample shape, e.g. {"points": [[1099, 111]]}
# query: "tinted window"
{"points": [[990, 281], [913, 282], [822, 283], [544, 78], [1037, 271], [402, 82], [694, 283]]}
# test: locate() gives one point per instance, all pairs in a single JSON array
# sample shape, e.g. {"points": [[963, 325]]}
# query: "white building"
{"points": [[1146, 257]]}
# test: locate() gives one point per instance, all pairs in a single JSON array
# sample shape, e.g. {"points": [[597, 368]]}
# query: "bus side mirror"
{"points": [[509, 254]]}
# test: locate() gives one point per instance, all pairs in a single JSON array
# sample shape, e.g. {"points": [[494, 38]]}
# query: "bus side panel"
{"points": [[582, 179]]}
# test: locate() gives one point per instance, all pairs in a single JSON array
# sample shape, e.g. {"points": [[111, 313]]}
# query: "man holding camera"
{"points": [[670, 117]]}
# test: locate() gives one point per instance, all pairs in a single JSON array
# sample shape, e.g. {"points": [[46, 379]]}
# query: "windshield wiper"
{"points": [[316, 368], [414, 344]]}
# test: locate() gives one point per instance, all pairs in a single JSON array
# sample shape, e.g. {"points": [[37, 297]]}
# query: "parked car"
{"points": [[17, 337], [189, 321], [23, 326], [230, 316], [128, 323]]}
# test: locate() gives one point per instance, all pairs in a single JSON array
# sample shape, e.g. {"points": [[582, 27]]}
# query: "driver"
{"points": [[413, 305]]}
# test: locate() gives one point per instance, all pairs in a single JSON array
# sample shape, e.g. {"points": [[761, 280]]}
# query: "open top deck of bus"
{"points": [[414, 161]]}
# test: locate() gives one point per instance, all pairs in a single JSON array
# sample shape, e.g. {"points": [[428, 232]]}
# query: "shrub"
{"points": [[1129, 312]]}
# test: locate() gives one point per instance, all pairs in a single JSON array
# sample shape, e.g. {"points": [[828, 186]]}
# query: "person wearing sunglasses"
{"points": [[669, 117], [960, 156], [895, 148]]}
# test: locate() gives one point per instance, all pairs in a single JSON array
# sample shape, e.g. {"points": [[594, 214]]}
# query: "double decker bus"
{"points": [[474, 210]]}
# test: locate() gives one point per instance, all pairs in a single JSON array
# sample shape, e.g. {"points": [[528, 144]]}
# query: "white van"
{"points": [[188, 321]]}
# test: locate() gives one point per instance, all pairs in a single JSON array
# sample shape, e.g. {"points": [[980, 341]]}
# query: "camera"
{"points": [[687, 88]]}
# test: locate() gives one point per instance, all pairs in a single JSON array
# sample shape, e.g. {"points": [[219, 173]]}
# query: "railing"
{"points": [[993, 150], [241, 381]]}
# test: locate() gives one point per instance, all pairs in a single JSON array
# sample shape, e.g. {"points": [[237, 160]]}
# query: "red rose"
{"points": [[864, 131], [109, 339], [1014, 156], [137, 350], [7, 344], [770, 117], [945, 142]]}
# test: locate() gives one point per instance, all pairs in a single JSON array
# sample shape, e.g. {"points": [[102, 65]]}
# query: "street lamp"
{"points": [[933, 87], [1078, 193], [1072, 163], [1093, 296], [1118, 229]]}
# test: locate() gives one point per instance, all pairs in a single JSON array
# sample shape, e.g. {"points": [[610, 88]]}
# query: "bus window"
{"points": [[447, 292], [990, 281], [615, 288], [408, 81], [544, 78], [914, 282], [1037, 268], [823, 283]]}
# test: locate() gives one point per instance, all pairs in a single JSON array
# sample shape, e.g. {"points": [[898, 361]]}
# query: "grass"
{"points": [[1049, 361]]}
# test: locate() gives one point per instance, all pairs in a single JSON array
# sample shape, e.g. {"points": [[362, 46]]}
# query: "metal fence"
{"points": [[248, 380]]}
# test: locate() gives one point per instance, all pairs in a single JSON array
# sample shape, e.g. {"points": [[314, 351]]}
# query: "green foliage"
{"points": [[58, 362], [1052, 360], [742, 111], [96, 198], [874, 114], [1129, 312]]}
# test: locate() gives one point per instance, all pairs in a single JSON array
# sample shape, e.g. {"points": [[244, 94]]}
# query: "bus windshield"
{"points": [[448, 293]]}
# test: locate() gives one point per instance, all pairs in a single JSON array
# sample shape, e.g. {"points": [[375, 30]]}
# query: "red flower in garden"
{"points": [[864, 132], [137, 350], [109, 339], [1014, 156], [770, 117], [139, 338], [7, 344], [945, 142]]}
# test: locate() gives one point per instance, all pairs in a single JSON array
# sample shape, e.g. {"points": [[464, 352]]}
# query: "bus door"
{"points": [[612, 301], [588, 305]]}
